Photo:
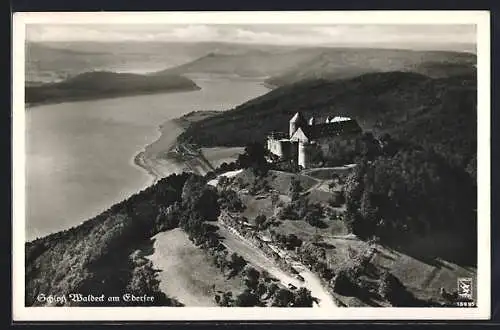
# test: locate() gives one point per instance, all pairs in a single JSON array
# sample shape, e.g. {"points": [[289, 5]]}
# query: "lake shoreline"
{"points": [[118, 148], [160, 158], [104, 97], [154, 157]]}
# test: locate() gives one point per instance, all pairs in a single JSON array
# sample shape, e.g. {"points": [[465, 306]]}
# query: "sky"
{"points": [[278, 34]]}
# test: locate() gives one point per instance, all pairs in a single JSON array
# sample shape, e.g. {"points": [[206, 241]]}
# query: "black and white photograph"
{"points": [[303, 165]]}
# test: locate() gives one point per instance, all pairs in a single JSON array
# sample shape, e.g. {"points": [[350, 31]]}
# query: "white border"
{"points": [[480, 18]]}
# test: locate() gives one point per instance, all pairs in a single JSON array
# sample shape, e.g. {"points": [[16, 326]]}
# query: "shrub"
{"points": [[247, 299]]}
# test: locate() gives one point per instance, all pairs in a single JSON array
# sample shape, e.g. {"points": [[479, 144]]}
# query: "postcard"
{"points": [[317, 165]]}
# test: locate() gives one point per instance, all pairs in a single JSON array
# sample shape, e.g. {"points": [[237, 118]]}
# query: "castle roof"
{"points": [[332, 129]]}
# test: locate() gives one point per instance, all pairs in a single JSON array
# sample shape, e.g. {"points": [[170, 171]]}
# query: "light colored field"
{"points": [[423, 277], [219, 155], [420, 277], [186, 273]]}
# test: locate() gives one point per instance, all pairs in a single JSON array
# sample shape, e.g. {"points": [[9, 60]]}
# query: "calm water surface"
{"points": [[80, 154]]}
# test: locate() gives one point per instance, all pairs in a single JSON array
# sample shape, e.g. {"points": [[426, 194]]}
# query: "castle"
{"points": [[305, 138]]}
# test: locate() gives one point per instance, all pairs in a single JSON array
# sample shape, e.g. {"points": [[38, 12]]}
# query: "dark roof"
{"points": [[331, 129]]}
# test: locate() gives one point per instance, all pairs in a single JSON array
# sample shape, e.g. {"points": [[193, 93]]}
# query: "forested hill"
{"points": [[440, 113], [102, 84], [96, 256], [341, 63], [252, 63]]}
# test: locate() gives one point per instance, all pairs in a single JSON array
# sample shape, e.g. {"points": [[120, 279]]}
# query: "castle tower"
{"points": [[303, 158], [296, 122], [312, 121]]}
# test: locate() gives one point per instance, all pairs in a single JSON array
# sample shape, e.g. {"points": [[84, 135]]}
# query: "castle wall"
{"points": [[282, 148], [275, 147]]}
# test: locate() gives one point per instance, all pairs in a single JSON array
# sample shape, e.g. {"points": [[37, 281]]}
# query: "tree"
{"points": [[317, 238], [295, 189], [237, 262], [227, 299], [247, 299], [223, 182], [261, 289], [251, 277], [275, 198], [369, 147], [388, 145], [391, 289], [272, 289], [198, 197], [303, 298], [292, 241], [254, 157], [283, 298], [230, 201], [260, 220], [345, 282]]}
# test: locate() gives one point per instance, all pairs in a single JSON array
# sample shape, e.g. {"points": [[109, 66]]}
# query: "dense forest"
{"points": [[102, 84], [401, 193]]}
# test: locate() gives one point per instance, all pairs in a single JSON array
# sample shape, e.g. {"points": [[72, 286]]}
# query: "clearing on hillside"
{"points": [[186, 273]]}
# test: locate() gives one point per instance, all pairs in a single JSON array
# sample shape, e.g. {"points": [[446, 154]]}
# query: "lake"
{"points": [[79, 155]]}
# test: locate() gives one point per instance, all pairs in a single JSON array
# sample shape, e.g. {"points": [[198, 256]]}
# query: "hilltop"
{"points": [[103, 84]]}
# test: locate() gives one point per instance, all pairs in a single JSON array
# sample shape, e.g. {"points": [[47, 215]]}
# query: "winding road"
{"points": [[237, 243]]}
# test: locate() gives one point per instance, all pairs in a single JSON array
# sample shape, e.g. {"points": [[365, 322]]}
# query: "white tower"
{"points": [[303, 156], [312, 121]]}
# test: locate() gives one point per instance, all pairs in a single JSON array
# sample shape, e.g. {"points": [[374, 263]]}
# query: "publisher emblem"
{"points": [[464, 288]]}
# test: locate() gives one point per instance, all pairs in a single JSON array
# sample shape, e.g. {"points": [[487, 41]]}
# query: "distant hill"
{"points": [[440, 113], [289, 65], [54, 61], [103, 84], [344, 63], [252, 63]]}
